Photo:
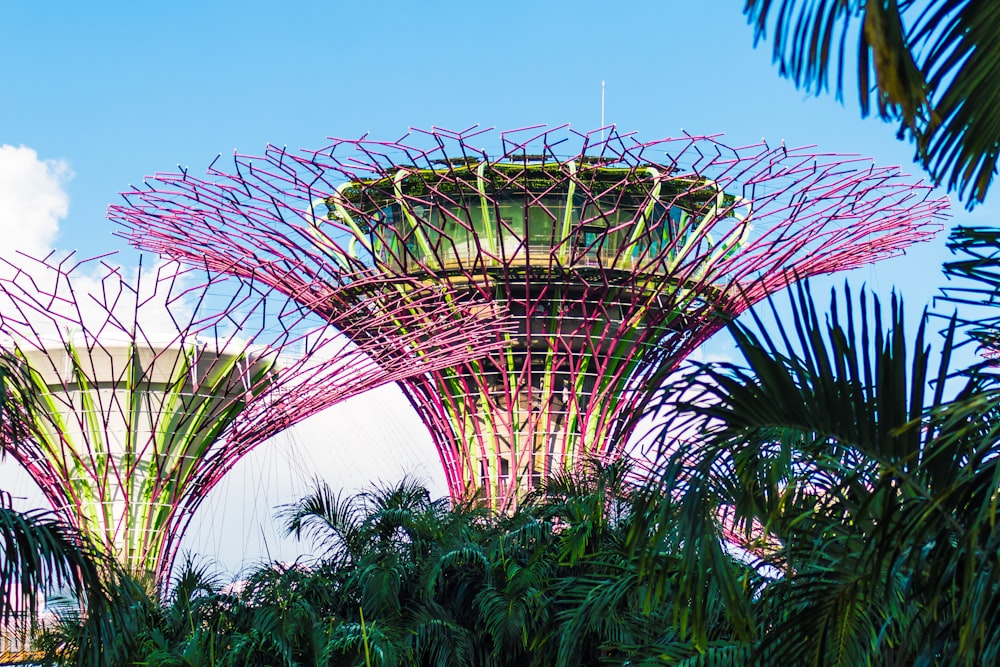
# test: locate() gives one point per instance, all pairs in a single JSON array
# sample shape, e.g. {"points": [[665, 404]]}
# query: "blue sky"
{"points": [[105, 93], [122, 90]]}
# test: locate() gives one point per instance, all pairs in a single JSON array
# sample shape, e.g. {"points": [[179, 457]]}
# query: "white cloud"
{"points": [[33, 200]]}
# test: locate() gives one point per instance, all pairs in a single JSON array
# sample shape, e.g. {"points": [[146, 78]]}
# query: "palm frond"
{"points": [[40, 554], [930, 66]]}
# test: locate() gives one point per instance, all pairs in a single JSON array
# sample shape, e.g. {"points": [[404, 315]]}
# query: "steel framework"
{"points": [[130, 399], [615, 258]]}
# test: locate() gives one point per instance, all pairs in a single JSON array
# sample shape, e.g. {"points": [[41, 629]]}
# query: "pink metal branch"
{"points": [[135, 396], [614, 258]]}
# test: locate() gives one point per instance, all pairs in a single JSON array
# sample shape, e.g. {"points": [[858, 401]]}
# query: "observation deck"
{"points": [[536, 217], [565, 247]]}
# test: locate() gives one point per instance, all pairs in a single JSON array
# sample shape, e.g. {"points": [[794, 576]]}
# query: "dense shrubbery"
{"points": [[409, 581]]}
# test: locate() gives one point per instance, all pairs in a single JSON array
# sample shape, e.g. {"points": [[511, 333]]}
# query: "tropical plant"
{"points": [[974, 285], [874, 484], [406, 580], [40, 554], [930, 66]]}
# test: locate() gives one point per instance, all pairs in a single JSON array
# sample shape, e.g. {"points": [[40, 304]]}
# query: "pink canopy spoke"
{"points": [[131, 397], [614, 259]]}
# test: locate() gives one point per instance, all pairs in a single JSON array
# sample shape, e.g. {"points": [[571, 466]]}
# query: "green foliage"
{"points": [[40, 556], [406, 580], [872, 482], [832, 502], [931, 66]]}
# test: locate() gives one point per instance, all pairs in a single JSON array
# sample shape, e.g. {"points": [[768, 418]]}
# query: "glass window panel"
{"points": [[456, 241], [545, 221], [512, 213], [511, 227]]}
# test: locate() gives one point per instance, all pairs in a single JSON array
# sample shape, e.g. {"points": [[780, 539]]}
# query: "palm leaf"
{"points": [[835, 440], [39, 554], [930, 66]]}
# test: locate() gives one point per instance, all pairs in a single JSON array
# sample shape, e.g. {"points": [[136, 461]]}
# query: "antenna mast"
{"points": [[602, 109]]}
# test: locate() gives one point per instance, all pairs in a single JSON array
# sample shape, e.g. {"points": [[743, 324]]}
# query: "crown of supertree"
{"points": [[128, 399], [614, 257]]}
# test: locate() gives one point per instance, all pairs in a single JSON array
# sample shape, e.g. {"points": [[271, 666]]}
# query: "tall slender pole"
{"points": [[602, 110]]}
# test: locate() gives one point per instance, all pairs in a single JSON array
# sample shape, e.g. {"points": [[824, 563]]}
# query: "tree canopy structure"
{"points": [[614, 257], [130, 398]]}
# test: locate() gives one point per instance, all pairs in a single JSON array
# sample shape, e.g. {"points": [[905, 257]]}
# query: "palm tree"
{"points": [[376, 546], [555, 582], [40, 554], [930, 66], [198, 623], [611, 528], [875, 487], [406, 580]]}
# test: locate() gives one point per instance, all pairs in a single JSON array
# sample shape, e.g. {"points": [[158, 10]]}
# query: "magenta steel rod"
{"points": [[614, 259], [132, 397]]}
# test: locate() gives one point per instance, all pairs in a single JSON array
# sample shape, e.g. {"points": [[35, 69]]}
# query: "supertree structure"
{"points": [[128, 399], [616, 258]]}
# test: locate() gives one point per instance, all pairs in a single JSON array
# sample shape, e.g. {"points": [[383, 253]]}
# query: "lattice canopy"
{"points": [[131, 398], [614, 258]]}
